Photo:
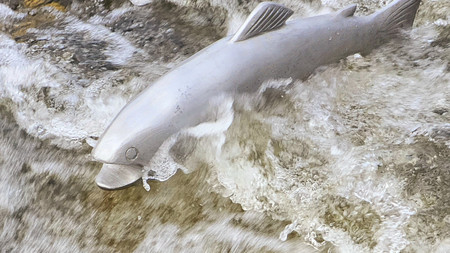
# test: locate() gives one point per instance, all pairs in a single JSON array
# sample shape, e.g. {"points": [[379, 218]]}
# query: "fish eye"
{"points": [[131, 153]]}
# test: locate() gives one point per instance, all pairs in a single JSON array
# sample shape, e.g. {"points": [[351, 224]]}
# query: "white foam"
{"points": [[120, 50], [220, 115], [110, 17], [8, 15], [285, 158], [324, 139], [86, 111]]}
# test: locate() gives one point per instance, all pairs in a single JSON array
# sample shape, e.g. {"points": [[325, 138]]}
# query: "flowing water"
{"points": [[354, 159]]}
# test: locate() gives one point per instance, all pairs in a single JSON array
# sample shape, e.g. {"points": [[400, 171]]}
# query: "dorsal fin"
{"points": [[265, 17], [347, 11]]}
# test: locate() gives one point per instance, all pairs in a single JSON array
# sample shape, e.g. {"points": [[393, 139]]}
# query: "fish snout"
{"points": [[113, 152], [103, 154], [113, 176], [116, 152]]}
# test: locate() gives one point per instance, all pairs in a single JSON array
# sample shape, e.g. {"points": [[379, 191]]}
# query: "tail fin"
{"points": [[396, 16]]}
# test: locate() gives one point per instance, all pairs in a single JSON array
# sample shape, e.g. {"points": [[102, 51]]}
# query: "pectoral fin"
{"points": [[113, 176], [265, 17]]}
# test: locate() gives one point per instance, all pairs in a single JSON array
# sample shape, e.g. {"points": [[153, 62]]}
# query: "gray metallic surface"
{"points": [[114, 176], [177, 100]]}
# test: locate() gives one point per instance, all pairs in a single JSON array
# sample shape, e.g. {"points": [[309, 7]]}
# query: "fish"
{"points": [[267, 46]]}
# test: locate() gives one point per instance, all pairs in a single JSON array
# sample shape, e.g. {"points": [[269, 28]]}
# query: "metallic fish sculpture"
{"points": [[265, 47]]}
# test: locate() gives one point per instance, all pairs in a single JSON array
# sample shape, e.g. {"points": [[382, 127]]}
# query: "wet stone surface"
{"points": [[155, 31]]}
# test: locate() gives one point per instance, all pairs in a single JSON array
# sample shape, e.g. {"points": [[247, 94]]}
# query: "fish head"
{"points": [[126, 146], [136, 133], [121, 150], [118, 145]]}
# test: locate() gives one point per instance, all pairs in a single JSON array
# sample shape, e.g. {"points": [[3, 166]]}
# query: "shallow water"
{"points": [[354, 159]]}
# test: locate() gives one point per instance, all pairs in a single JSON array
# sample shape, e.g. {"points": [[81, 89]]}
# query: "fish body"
{"points": [[265, 47]]}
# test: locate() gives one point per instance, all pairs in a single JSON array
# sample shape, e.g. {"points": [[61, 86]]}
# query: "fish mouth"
{"points": [[116, 176]]}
